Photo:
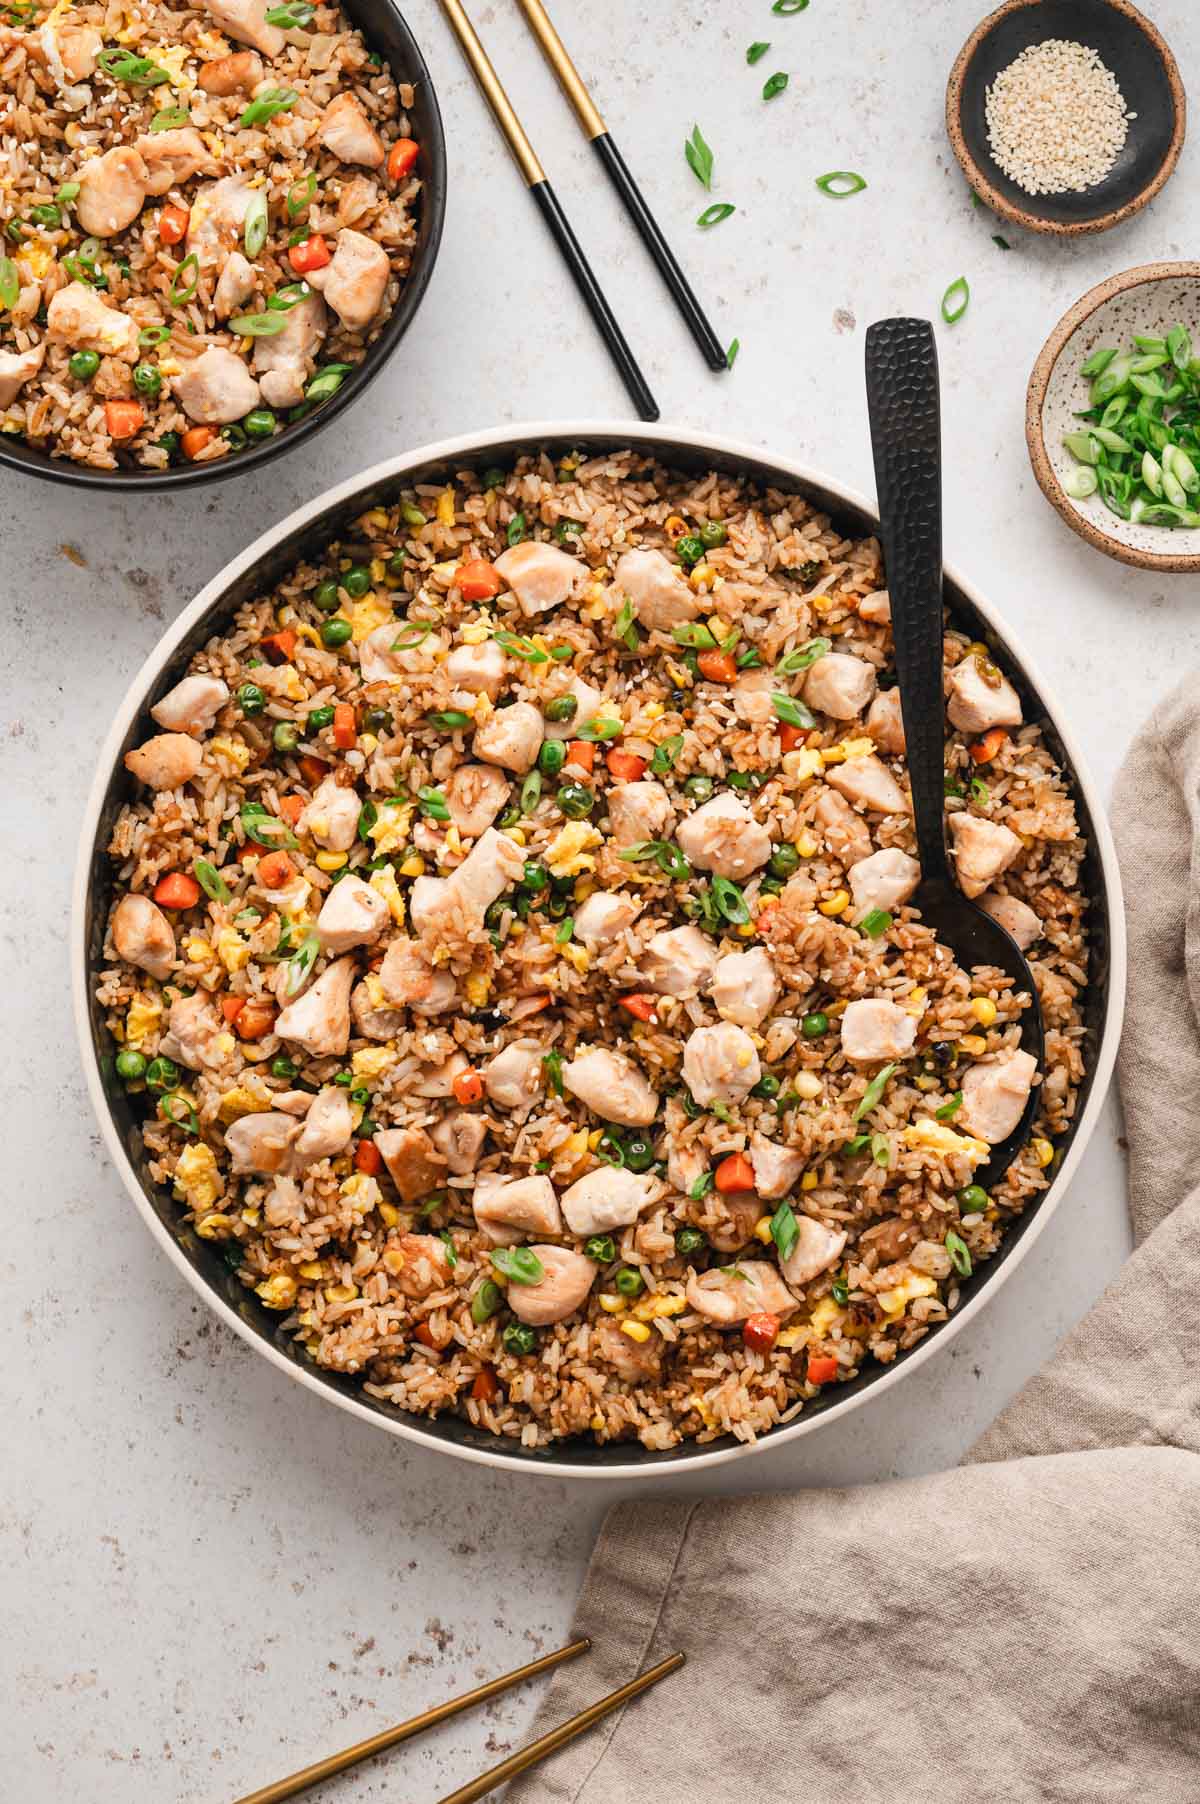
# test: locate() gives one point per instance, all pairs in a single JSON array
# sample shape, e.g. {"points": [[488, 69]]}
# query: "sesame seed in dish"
{"points": [[1056, 118]]}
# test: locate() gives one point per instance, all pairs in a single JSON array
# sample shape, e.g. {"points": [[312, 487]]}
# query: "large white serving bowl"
{"points": [[256, 570]]}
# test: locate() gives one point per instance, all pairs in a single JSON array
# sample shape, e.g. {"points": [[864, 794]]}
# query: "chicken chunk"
{"points": [[352, 914], [235, 285], [730, 1220], [752, 696], [414, 1163], [660, 596], [78, 317], [840, 685], [633, 1361], [680, 961], [475, 794], [995, 1092], [885, 722], [817, 1248], [239, 73], [746, 987], [540, 575], [173, 158], [216, 219], [876, 607], [459, 1138], [980, 699], [16, 368], [723, 836], [355, 280], [604, 916], [245, 21], [493, 863], [262, 1144], [327, 1129], [437, 1080], [982, 849], [513, 1078], [216, 388], [426, 1266], [507, 1209], [383, 659], [166, 761], [320, 1018], [195, 1030], [564, 1288], [588, 700], [1016, 917], [720, 1064], [846, 833], [870, 784], [609, 1198], [777, 1169], [611, 1086], [638, 811], [511, 737], [284, 363], [410, 981], [331, 817], [191, 706], [372, 1016], [143, 936], [112, 188], [729, 1296], [884, 880], [347, 131], [874, 1029], [477, 668]]}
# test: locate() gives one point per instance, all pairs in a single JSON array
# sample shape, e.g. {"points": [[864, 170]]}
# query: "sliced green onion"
{"points": [[702, 1185], [602, 727], [730, 901], [516, 530], [255, 224], [787, 7], [950, 1109], [735, 346], [552, 1064], [699, 157], [519, 1264], [874, 1091], [210, 880], [803, 657], [293, 16], [785, 1230], [452, 720], [624, 631], [960, 1254], [189, 1121], [153, 335], [881, 1150], [665, 755], [445, 1236], [840, 184], [711, 216], [955, 300], [876, 922], [169, 119], [662, 852], [565, 930], [531, 792], [756, 52], [299, 195], [774, 84], [258, 325], [521, 647], [433, 804], [693, 635], [10, 283], [265, 106], [792, 712], [327, 381], [265, 830], [138, 71], [1001, 243], [302, 962], [1080, 482], [182, 289], [1099, 361], [67, 193], [486, 1301]]}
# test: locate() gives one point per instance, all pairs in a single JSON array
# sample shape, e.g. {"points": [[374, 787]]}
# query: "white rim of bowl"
{"points": [[619, 433]]}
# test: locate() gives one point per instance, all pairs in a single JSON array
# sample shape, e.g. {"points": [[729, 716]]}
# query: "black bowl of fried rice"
{"points": [[216, 225], [566, 1139]]}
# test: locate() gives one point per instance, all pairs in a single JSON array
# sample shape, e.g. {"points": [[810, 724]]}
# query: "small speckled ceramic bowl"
{"points": [[1148, 77], [1150, 299]]}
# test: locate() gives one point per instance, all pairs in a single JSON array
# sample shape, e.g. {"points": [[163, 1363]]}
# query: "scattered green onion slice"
{"points": [[875, 922], [552, 1064], [881, 1150], [774, 84], [664, 853], [602, 727], [486, 1301], [711, 216], [531, 792], [874, 1091], [955, 300], [565, 930], [255, 224], [785, 1230], [840, 184], [950, 1109], [433, 804], [451, 719], [521, 647], [519, 1264], [665, 755], [756, 52], [265, 830], [302, 962], [1080, 482], [153, 335], [445, 1236], [694, 636], [1002, 243], [67, 193], [516, 530], [411, 634], [960, 1254], [265, 106], [804, 657], [730, 901], [294, 15], [787, 7], [183, 288], [138, 71], [327, 381], [300, 194], [792, 712], [699, 157], [210, 880], [169, 119], [702, 1185], [189, 1122], [731, 354], [624, 630]]}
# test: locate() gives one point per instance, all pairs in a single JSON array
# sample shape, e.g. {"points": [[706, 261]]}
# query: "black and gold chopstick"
{"points": [[617, 170], [551, 211]]}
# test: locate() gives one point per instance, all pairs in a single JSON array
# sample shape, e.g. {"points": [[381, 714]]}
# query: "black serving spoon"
{"points": [[902, 400]]}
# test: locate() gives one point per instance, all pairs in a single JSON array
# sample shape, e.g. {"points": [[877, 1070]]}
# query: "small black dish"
{"points": [[1146, 72], [386, 31]]}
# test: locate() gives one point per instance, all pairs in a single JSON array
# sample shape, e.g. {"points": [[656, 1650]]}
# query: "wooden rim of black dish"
{"points": [[986, 189]]}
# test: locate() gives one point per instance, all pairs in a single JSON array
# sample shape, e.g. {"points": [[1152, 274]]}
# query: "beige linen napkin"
{"points": [[1026, 1627]]}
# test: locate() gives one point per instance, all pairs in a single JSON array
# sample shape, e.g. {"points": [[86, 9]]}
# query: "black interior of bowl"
{"points": [[309, 544], [386, 32], [1141, 76]]}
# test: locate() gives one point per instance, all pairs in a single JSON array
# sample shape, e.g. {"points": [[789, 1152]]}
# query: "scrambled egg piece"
{"points": [[145, 1013], [567, 853], [232, 950], [825, 1315], [803, 764], [370, 611], [363, 1192], [197, 1180], [238, 1102], [172, 57], [893, 1301], [235, 750], [372, 1062], [383, 881], [37, 258], [390, 832], [938, 1137]]}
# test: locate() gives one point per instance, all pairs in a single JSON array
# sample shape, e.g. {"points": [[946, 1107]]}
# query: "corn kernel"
{"points": [[821, 604], [809, 1181], [330, 861], [974, 1044], [762, 1229], [701, 576], [341, 1293], [837, 904], [478, 985], [367, 744], [393, 1261], [718, 628], [476, 632], [914, 1002], [214, 1227], [977, 649], [925, 1082], [389, 1215], [681, 676], [445, 508], [312, 1268], [302, 630], [675, 527], [516, 834], [807, 1084], [251, 1217], [833, 754], [594, 1139], [637, 1331], [577, 956], [1043, 1152], [984, 1010], [278, 1292], [199, 952], [597, 1423], [806, 845], [413, 866], [610, 1304]]}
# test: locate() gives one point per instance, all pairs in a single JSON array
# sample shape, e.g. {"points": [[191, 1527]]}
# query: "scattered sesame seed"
{"points": [[1056, 118]]}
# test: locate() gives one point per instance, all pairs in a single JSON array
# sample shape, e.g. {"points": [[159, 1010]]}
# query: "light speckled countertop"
{"points": [[211, 1576]]}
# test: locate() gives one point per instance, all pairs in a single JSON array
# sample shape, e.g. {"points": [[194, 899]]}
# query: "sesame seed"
{"points": [[1056, 118]]}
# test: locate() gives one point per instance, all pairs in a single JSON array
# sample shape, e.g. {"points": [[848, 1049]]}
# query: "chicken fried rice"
{"points": [[208, 213], [513, 953]]}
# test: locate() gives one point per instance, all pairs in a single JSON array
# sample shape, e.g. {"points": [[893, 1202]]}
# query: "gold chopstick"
{"points": [[388, 1738], [524, 1758]]}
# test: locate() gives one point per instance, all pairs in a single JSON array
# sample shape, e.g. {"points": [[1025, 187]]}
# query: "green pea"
{"points": [[576, 801], [284, 1067], [131, 1066], [688, 1241], [83, 365], [335, 632], [169, 442], [494, 914], [767, 1086], [712, 534], [395, 564], [813, 1026], [162, 1075], [411, 514], [261, 423], [519, 1338], [486, 1301], [770, 886], [784, 860], [377, 720], [535, 877], [493, 479], [327, 597], [343, 1079], [552, 757], [510, 817], [563, 707], [356, 582], [639, 1152], [973, 1200], [689, 550], [699, 788], [629, 1282], [602, 1248], [285, 737], [319, 719], [250, 699], [147, 379]]}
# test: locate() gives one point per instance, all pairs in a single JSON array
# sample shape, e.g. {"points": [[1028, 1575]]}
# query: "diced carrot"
{"points": [[401, 157], [581, 752], [314, 770], [822, 1370], [314, 253], [718, 666], [123, 419], [790, 737], [761, 1331], [424, 1333], [990, 746], [177, 890], [256, 1019], [280, 647], [173, 224], [626, 767], [232, 1006], [194, 440], [477, 581], [344, 730], [274, 869], [368, 1158], [291, 808], [641, 1007], [734, 1173], [468, 1088], [485, 1387], [249, 849]]}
